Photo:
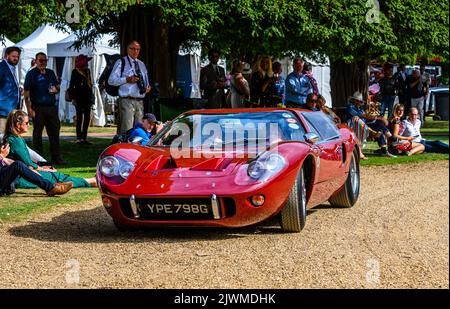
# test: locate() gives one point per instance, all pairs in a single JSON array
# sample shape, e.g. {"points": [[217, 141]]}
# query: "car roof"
{"points": [[244, 110]]}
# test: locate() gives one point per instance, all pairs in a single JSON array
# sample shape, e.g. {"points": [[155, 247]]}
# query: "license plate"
{"points": [[176, 209]]}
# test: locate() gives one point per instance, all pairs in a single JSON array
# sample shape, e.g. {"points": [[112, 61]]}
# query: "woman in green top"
{"points": [[16, 126]]}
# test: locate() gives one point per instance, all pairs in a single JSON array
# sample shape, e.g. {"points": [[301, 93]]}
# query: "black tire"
{"points": [[293, 215], [348, 194]]}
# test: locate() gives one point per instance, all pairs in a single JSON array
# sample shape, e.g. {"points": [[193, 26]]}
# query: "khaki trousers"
{"points": [[131, 112], [2, 125]]}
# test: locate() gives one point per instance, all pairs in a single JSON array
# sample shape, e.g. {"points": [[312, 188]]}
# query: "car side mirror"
{"points": [[312, 138]]}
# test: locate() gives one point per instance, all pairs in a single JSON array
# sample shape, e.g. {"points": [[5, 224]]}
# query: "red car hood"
{"points": [[159, 162]]}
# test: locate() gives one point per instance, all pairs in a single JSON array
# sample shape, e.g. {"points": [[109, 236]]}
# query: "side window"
{"points": [[291, 127], [322, 125]]}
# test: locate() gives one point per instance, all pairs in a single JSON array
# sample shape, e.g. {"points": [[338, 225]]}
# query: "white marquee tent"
{"points": [[34, 43], [63, 48], [193, 74], [3, 45]]}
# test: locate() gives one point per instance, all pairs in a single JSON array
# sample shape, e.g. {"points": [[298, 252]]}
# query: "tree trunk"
{"points": [[346, 78], [159, 42]]}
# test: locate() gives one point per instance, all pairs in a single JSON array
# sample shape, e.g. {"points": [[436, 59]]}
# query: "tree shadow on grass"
{"points": [[95, 226]]}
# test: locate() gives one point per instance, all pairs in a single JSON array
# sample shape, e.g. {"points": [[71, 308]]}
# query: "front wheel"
{"points": [[293, 215], [348, 194]]}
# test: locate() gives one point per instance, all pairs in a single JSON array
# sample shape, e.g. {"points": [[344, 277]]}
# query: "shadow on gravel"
{"points": [[95, 226]]}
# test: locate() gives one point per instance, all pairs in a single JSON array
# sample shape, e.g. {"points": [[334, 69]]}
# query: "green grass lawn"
{"points": [[70, 130], [82, 161]]}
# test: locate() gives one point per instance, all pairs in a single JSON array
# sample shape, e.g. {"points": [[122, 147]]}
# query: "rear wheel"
{"points": [[293, 215], [348, 194]]}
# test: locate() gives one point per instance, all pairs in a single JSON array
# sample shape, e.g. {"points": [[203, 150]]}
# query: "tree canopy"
{"points": [[345, 31]]}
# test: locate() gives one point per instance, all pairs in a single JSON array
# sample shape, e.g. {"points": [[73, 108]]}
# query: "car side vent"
{"points": [[125, 207], [160, 163]]}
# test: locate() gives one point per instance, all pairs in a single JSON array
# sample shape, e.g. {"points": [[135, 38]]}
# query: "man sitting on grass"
{"points": [[411, 127]]}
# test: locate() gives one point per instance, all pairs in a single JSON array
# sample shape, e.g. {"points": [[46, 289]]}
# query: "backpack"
{"points": [[122, 137], [114, 90]]}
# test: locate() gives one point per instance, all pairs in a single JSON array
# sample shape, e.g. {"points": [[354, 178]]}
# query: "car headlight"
{"points": [[266, 166], [111, 166], [125, 169]]}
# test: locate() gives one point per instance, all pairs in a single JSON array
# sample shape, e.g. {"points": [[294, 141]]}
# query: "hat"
{"points": [[82, 60], [357, 96], [150, 117], [247, 68]]}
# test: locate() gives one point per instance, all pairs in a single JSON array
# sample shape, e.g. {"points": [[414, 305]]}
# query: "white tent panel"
{"points": [[195, 74], [34, 43], [66, 109], [63, 48]]}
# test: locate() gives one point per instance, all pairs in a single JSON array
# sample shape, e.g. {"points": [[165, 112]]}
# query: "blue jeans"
{"points": [[9, 175], [378, 125], [387, 102], [435, 146]]}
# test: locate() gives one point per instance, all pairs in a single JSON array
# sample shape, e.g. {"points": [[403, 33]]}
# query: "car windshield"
{"points": [[233, 129]]}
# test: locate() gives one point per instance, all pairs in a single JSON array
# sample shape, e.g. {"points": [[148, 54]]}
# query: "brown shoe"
{"points": [[60, 188]]}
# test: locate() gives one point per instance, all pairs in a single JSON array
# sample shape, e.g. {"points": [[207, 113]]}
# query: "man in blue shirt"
{"points": [[41, 87], [298, 85], [9, 86], [144, 128]]}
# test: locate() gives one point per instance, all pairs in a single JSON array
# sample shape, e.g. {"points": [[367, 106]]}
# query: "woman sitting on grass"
{"points": [[16, 127], [398, 143], [12, 171], [411, 128]]}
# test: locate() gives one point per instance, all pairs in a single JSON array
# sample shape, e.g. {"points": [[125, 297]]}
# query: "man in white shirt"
{"points": [[133, 85], [410, 127]]}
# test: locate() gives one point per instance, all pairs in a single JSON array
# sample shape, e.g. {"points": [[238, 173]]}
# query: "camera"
{"points": [[140, 83]]}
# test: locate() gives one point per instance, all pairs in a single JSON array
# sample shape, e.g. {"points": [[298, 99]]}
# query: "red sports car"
{"points": [[231, 168]]}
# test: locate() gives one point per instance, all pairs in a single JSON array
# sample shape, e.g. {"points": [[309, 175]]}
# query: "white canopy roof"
{"points": [[6, 43], [37, 42], [41, 37], [63, 47]]}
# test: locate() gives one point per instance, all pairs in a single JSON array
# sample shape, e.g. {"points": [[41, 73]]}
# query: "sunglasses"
{"points": [[42, 60]]}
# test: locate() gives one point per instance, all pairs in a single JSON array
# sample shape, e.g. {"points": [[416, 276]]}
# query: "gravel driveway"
{"points": [[396, 236]]}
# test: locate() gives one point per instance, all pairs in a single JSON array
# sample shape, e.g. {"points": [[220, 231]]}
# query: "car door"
{"points": [[330, 146]]}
